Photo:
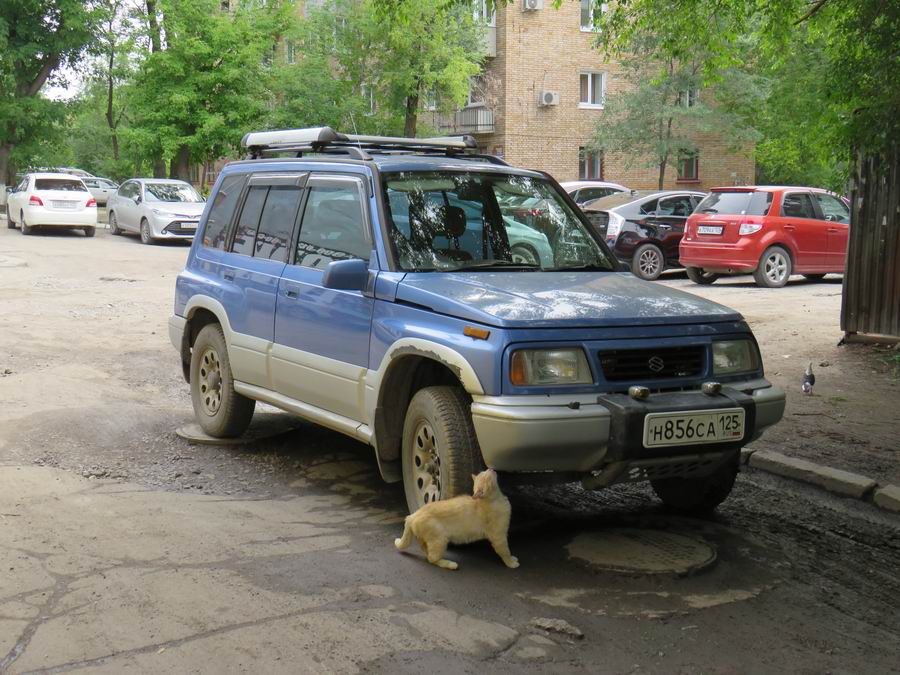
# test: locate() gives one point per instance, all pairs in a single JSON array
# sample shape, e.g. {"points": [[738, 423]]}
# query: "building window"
{"points": [[590, 16], [590, 164], [688, 166], [689, 98], [476, 93], [485, 12], [592, 90], [368, 92], [290, 51], [429, 100]]}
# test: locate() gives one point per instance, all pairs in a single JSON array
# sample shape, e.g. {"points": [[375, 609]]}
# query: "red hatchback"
{"points": [[771, 232]]}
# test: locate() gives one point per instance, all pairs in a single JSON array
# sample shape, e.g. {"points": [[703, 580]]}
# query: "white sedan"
{"points": [[51, 200]]}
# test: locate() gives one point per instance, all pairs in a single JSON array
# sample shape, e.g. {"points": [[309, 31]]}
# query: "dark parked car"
{"points": [[644, 227]]}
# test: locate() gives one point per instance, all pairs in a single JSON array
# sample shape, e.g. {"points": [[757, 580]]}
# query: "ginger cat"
{"points": [[462, 520]]}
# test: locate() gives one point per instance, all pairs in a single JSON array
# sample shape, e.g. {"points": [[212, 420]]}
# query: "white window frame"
{"points": [[368, 91], [591, 27], [690, 97], [480, 13], [587, 159], [290, 52], [429, 101], [590, 93], [693, 156], [474, 85]]}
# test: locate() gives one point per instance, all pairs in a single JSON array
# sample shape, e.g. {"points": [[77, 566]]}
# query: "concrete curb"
{"points": [[836, 481]]}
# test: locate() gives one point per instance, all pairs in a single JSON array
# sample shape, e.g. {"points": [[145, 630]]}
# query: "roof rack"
{"points": [[325, 140]]}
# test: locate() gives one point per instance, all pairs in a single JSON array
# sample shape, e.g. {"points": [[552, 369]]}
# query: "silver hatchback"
{"points": [[155, 208]]}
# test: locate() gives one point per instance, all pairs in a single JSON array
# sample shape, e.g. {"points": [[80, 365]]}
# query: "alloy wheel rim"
{"points": [[523, 256], [210, 381], [776, 268], [426, 464], [649, 262]]}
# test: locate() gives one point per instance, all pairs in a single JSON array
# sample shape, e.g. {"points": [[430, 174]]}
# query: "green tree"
{"points": [[36, 38], [423, 50], [660, 113], [194, 97]]}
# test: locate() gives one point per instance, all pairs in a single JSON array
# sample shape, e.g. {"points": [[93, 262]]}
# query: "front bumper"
{"points": [[584, 433], [173, 227]]}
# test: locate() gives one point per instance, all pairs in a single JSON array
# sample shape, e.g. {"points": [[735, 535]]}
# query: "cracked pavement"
{"points": [[125, 550]]}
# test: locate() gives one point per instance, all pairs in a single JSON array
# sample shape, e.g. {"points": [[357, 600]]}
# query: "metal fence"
{"points": [[871, 297]]}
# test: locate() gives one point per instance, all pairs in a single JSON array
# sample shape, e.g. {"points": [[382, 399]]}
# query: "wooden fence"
{"points": [[871, 298]]}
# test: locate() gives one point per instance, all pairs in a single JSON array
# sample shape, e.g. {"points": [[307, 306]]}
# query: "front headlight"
{"points": [[734, 356], [536, 367]]}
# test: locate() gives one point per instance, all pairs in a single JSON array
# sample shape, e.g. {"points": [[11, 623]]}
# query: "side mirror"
{"points": [[137, 200], [346, 275]]}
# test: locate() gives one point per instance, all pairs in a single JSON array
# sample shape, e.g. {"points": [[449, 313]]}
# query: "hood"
{"points": [[554, 299], [192, 209]]}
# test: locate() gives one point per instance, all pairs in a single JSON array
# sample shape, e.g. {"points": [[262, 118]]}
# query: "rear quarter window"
{"points": [[220, 213]]}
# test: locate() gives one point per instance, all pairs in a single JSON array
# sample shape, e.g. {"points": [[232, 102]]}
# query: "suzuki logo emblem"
{"points": [[656, 364]]}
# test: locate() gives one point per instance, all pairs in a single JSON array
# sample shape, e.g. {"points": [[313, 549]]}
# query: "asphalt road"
{"points": [[124, 549]]}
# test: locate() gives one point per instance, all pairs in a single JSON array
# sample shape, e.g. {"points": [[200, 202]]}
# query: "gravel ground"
{"points": [[90, 395]]}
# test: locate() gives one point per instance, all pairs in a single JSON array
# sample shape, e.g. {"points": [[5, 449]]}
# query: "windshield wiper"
{"points": [[487, 264]]}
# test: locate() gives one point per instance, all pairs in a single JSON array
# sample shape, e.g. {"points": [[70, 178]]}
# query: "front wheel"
{"points": [[10, 223], [699, 276], [440, 451], [697, 495], [774, 268], [524, 254], [648, 262], [146, 234], [114, 224], [219, 409]]}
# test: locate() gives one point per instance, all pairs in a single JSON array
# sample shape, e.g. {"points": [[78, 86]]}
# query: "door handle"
{"points": [[292, 293], [833, 229], [789, 227], [228, 275]]}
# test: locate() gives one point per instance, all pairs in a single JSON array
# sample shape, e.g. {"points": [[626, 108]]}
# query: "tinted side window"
{"points": [[221, 211], [245, 233], [593, 193], [277, 222], [128, 190], [649, 207], [675, 206], [797, 205], [334, 225], [832, 208]]}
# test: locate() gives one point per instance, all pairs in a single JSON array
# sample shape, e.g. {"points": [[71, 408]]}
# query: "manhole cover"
{"points": [[642, 551]]}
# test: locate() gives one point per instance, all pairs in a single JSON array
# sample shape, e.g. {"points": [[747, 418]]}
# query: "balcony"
{"points": [[472, 120]]}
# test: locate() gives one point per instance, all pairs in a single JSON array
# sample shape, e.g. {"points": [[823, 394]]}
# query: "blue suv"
{"points": [[372, 285]]}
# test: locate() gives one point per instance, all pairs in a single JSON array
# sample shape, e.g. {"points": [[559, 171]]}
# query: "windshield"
{"points": [[739, 203], [172, 192], [449, 221], [64, 184]]}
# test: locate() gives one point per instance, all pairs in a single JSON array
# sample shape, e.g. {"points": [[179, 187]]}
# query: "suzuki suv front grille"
{"points": [[661, 363]]}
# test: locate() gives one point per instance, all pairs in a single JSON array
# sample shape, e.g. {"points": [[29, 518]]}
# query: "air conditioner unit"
{"points": [[532, 5], [549, 98]]}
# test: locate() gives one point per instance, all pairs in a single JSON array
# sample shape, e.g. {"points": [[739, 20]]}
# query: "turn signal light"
{"points": [[477, 333], [34, 200]]}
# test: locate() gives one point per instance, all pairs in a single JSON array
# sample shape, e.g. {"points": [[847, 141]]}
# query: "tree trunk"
{"points": [[180, 167], [412, 113], [155, 38], [110, 117], [662, 171], [7, 170]]}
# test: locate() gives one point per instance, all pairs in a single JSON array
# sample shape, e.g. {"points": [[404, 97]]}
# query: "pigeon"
{"points": [[809, 379]]}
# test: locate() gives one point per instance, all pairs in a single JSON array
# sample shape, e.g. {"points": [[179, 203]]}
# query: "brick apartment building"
{"points": [[551, 51]]}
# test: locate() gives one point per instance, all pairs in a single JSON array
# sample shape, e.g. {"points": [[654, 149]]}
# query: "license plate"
{"points": [[709, 229], [63, 205], [189, 226], [693, 427]]}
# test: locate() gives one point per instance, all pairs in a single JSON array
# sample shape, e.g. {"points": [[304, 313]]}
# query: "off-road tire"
{"points": [[114, 224], [697, 495], [766, 263], [648, 262], [25, 229], [146, 234], [698, 276], [814, 277], [446, 411], [90, 231], [234, 412]]}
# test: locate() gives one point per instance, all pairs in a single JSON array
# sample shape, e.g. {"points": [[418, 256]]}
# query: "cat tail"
{"points": [[404, 541]]}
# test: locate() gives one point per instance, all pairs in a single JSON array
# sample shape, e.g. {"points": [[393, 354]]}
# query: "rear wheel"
{"points": [[698, 276], [10, 223], [814, 277], [697, 495], [26, 229], [219, 409], [146, 234], [440, 451], [90, 231], [774, 268], [648, 262]]}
